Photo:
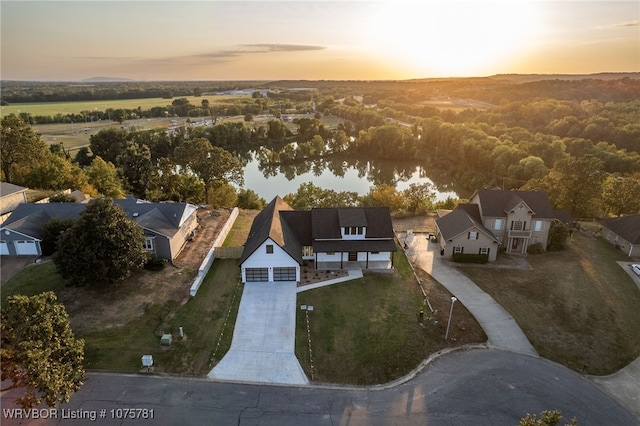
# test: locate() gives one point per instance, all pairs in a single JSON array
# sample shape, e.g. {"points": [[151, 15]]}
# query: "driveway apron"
{"points": [[262, 349], [502, 330]]}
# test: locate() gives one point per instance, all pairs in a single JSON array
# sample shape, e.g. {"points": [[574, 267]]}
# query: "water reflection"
{"points": [[270, 173]]}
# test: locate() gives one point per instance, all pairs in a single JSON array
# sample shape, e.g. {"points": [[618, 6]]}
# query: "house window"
{"points": [[353, 230], [473, 235], [517, 225], [148, 243], [374, 252], [537, 225], [498, 224], [484, 250], [269, 248], [307, 251], [457, 249]]}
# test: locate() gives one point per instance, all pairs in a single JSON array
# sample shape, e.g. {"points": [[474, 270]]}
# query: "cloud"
{"points": [[622, 25], [244, 49]]}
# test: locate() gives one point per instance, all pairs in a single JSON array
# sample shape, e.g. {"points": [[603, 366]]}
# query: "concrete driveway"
{"points": [[502, 330], [12, 265], [262, 349]]}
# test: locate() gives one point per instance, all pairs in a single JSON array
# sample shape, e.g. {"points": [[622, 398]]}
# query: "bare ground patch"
{"points": [[114, 305]]}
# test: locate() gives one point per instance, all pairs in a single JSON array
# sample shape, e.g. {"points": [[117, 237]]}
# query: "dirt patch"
{"points": [[116, 304], [421, 224]]}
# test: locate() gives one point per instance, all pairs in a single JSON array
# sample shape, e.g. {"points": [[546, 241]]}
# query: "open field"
{"points": [[577, 307], [54, 108], [367, 331]]}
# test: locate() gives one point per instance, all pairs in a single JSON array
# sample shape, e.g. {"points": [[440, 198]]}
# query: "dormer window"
{"points": [[269, 248], [354, 230]]}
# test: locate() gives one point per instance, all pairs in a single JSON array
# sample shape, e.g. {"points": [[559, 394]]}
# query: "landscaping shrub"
{"points": [[470, 258], [535, 249], [155, 264]]}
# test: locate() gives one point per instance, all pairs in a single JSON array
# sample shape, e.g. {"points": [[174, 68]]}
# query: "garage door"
{"points": [[257, 274], [4, 249], [26, 248], [284, 274]]}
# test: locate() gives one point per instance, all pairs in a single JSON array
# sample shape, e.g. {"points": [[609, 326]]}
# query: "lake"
{"points": [[339, 175]]}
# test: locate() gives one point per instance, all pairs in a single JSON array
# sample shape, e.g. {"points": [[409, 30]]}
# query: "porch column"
{"points": [[367, 267], [341, 259]]}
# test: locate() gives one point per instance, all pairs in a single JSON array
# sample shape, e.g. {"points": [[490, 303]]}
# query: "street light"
{"points": [[453, 300]]}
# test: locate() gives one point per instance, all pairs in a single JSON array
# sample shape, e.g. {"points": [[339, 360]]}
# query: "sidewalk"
{"points": [[623, 385], [502, 330]]}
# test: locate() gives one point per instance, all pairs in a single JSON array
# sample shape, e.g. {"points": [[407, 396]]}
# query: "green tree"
{"points": [[384, 195], [21, 149], [574, 184], [222, 195], [419, 198], [104, 177], [83, 157], [621, 195], [51, 232], [558, 234], [39, 350], [135, 167], [248, 199], [547, 418], [104, 245], [109, 144], [210, 163]]}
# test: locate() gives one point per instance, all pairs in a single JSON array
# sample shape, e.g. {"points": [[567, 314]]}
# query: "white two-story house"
{"points": [[281, 239]]}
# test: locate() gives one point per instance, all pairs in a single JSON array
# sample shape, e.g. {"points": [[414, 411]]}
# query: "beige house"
{"points": [[496, 218], [11, 196]]}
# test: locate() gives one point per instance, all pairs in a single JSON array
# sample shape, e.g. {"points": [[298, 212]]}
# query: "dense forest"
{"points": [[577, 139]]}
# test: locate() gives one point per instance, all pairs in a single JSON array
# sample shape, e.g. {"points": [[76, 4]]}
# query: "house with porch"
{"points": [[496, 218], [623, 232], [167, 226], [282, 239]]}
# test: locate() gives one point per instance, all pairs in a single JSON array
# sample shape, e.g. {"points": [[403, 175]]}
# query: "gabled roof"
{"points": [[497, 202], [9, 188], [326, 222], [162, 218], [28, 218], [564, 216], [460, 220], [269, 224], [627, 227]]}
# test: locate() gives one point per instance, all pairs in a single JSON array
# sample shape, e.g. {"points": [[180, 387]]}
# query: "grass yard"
{"points": [[578, 307], [238, 234], [116, 340], [367, 332]]}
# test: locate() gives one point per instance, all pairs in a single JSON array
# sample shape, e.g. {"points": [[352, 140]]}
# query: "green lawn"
{"points": [[120, 348], [578, 307], [367, 332]]}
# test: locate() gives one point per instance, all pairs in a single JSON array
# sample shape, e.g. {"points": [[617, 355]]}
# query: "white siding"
{"points": [[278, 259]]}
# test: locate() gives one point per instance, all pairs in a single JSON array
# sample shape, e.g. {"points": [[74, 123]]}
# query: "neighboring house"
{"points": [[281, 239], [623, 232], [167, 226], [10, 196], [511, 219]]}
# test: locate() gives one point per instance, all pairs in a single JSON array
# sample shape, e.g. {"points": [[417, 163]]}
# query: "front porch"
{"points": [[376, 265]]}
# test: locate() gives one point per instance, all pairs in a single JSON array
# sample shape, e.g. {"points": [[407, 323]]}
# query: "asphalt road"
{"points": [[474, 387]]}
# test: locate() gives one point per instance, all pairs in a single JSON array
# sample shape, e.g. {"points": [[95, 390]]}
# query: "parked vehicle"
{"points": [[636, 268]]}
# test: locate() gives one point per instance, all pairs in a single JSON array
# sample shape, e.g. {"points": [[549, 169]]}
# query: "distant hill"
{"points": [[105, 80], [526, 78]]}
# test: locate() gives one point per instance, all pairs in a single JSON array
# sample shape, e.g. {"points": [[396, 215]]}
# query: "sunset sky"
{"points": [[266, 40]]}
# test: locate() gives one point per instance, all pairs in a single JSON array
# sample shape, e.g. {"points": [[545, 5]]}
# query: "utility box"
{"points": [[147, 360], [166, 339]]}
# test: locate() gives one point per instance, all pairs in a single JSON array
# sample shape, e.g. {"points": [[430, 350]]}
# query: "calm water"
{"points": [[269, 181]]}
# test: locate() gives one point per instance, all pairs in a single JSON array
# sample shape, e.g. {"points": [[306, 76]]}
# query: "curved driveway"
{"points": [[502, 330], [473, 387]]}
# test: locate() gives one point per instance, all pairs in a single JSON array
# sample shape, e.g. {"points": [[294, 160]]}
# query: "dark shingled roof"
{"points": [[269, 224], [627, 227], [9, 188], [326, 222], [163, 218], [292, 229], [564, 216], [461, 219], [28, 218], [498, 202]]}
